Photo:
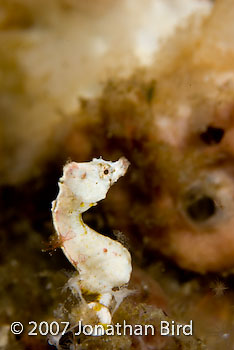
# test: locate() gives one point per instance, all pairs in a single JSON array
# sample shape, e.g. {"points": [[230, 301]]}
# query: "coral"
{"points": [[174, 122], [53, 52]]}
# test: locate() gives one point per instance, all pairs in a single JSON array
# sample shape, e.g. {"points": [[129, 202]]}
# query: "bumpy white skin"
{"points": [[102, 263]]}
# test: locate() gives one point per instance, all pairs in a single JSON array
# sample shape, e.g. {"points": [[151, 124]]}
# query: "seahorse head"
{"points": [[91, 181]]}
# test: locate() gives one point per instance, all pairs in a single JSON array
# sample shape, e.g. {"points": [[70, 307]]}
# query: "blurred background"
{"points": [[151, 80]]}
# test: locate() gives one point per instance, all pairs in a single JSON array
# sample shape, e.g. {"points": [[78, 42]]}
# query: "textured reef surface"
{"points": [[173, 119]]}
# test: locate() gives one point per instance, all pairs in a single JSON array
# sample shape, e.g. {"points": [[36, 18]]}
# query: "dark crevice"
{"points": [[212, 135], [201, 209]]}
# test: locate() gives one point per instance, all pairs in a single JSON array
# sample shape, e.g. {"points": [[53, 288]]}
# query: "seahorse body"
{"points": [[102, 262]]}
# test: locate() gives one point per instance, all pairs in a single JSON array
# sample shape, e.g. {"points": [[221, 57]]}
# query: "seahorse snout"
{"points": [[120, 168]]}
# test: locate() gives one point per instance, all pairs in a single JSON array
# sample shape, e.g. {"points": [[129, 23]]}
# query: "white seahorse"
{"points": [[103, 263]]}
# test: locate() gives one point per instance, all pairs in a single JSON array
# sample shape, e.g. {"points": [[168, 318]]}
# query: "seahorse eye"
{"points": [[106, 171]]}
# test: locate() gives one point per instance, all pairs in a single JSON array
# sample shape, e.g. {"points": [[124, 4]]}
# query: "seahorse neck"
{"points": [[68, 211]]}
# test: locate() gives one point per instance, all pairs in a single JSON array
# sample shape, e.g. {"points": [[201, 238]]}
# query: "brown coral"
{"points": [[175, 125]]}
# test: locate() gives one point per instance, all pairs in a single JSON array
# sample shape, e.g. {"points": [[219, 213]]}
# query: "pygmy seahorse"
{"points": [[102, 263]]}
